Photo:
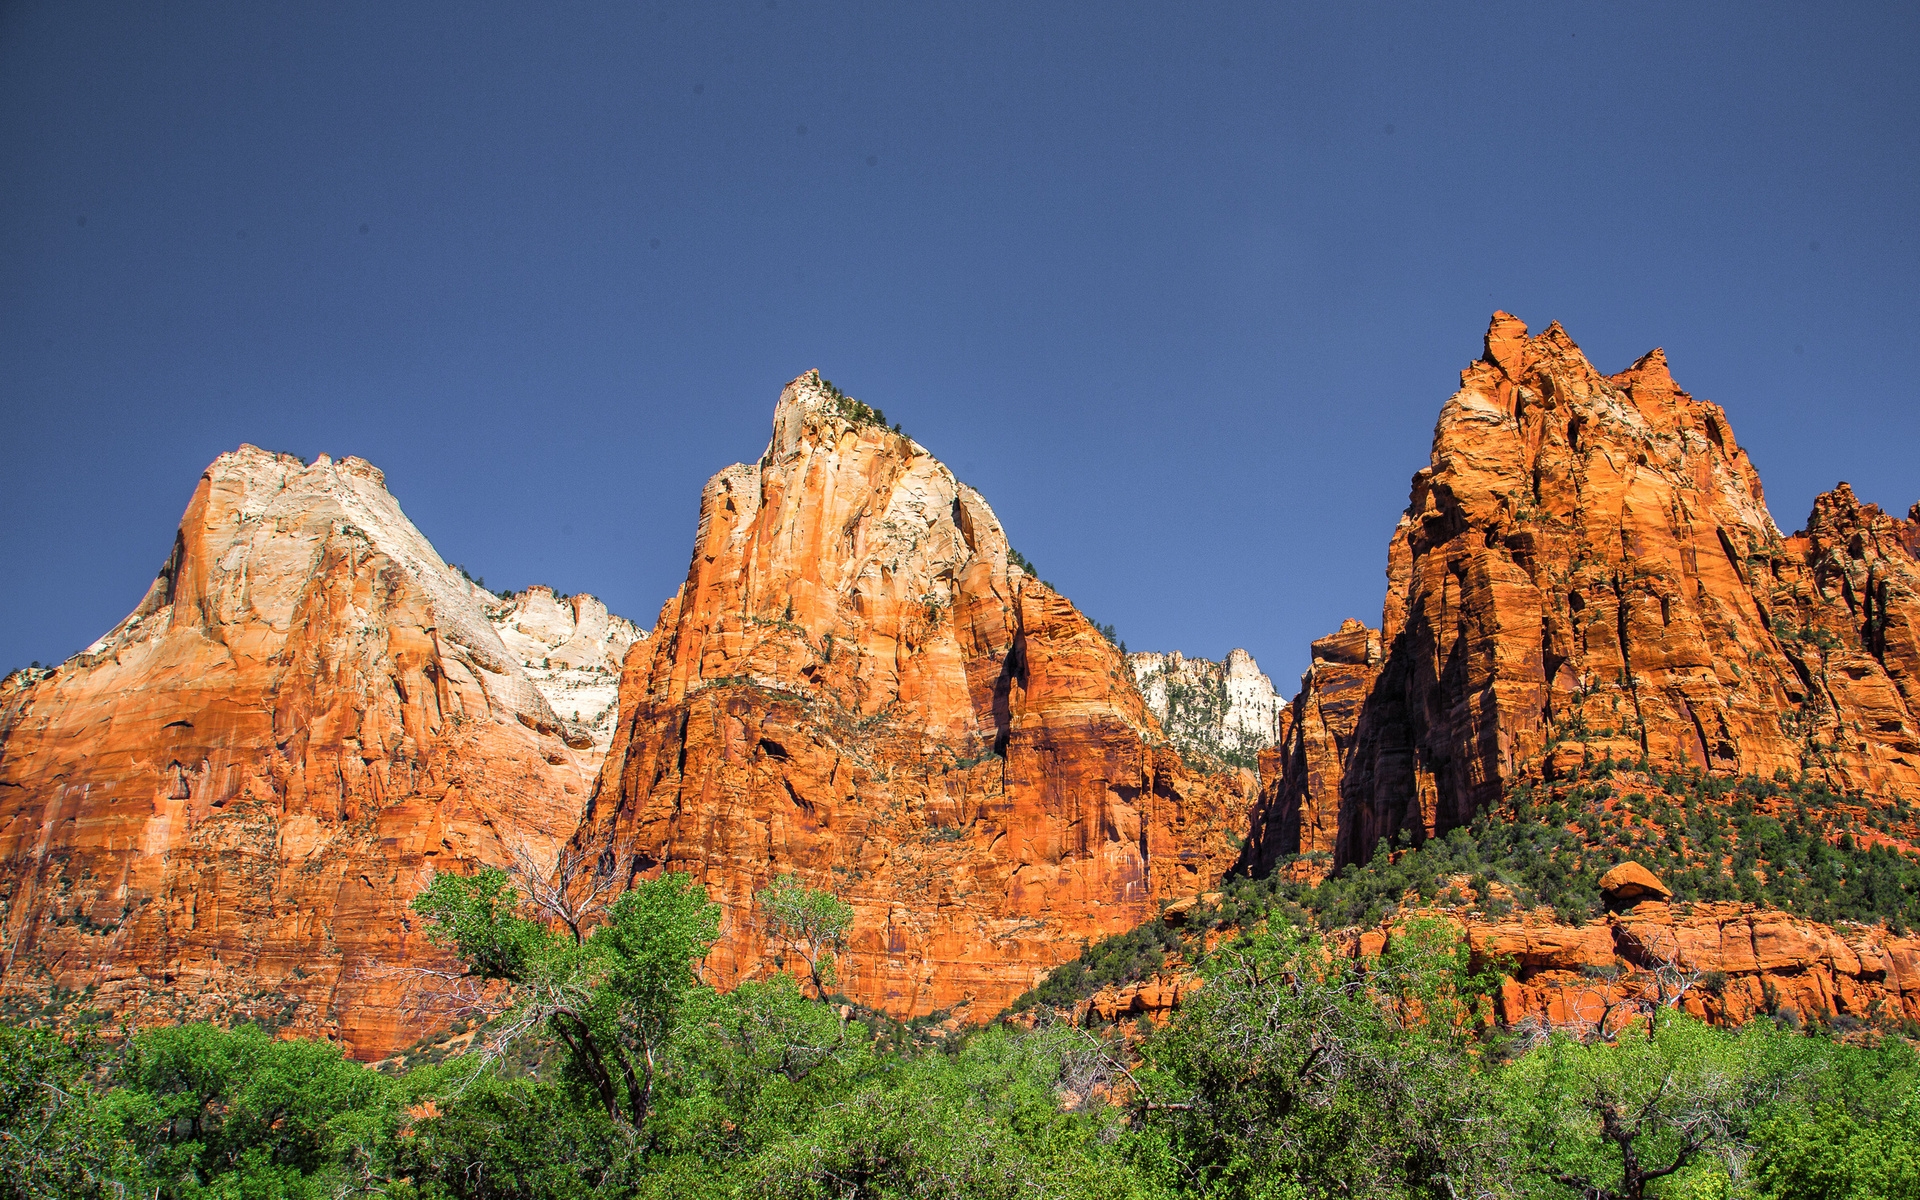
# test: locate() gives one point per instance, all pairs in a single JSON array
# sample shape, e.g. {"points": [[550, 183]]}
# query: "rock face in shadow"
{"points": [[855, 687], [226, 803], [1587, 569]]}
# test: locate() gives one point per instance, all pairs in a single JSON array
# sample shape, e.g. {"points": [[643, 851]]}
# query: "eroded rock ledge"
{"points": [[1726, 963]]}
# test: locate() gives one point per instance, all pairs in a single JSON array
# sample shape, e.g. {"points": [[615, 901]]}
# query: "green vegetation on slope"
{"points": [[1293, 1073], [1792, 845], [1787, 844]]}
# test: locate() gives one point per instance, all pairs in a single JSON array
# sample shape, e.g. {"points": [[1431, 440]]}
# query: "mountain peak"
{"points": [[1587, 569], [855, 686], [307, 689]]}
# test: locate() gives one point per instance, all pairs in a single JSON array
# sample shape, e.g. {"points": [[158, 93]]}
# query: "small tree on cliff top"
{"points": [[806, 922]]}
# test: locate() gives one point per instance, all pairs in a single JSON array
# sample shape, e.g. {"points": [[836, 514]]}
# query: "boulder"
{"points": [[1630, 883]]}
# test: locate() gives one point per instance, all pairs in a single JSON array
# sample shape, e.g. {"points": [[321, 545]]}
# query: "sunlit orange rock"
{"points": [[224, 805], [1725, 963], [1587, 569], [1629, 883], [855, 686]]}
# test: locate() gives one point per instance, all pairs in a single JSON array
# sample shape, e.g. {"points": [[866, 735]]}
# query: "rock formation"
{"points": [[1213, 712], [1725, 963], [226, 804], [571, 648], [1587, 569], [854, 686], [1629, 883]]}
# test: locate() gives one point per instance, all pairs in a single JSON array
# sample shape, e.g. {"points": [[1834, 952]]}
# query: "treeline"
{"points": [[1293, 1072]]}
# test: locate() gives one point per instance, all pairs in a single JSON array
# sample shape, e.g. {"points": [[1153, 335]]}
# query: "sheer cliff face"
{"points": [[228, 801], [1587, 567], [855, 687]]}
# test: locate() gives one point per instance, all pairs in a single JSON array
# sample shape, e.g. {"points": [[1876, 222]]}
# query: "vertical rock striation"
{"points": [[1587, 568], [227, 802], [854, 686]]}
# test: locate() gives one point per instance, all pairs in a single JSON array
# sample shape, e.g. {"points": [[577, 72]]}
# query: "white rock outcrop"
{"points": [[1227, 711], [571, 648]]}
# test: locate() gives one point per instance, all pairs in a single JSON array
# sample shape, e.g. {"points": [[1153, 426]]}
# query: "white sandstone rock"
{"points": [[1226, 711]]}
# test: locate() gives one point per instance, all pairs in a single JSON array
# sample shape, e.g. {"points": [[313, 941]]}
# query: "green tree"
{"points": [[234, 1112], [479, 917], [754, 1063], [613, 997], [1611, 1120], [53, 1141], [808, 923], [1297, 1071], [1814, 1153], [510, 1139], [1837, 1119], [982, 1122]]}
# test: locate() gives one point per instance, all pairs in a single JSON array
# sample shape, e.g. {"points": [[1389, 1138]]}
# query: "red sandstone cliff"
{"points": [[854, 686], [1588, 562], [226, 803]]}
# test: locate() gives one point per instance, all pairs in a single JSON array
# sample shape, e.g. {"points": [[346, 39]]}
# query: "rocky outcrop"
{"points": [[226, 804], [1301, 776], [1725, 963], [1215, 713], [1844, 607], [854, 686], [1629, 883], [1587, 569], [570, 648]]}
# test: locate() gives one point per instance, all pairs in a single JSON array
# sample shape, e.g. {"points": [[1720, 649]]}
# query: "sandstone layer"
{"points": [[854, 686], [1587, 569], [1725, 963], [1213, 712], [226, 803]]}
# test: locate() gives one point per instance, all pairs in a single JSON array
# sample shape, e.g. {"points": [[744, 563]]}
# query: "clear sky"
{"points": [[1179, 287]]}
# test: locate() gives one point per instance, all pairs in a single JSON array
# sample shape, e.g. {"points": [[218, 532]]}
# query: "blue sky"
{"points": [[1179, 288]]}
